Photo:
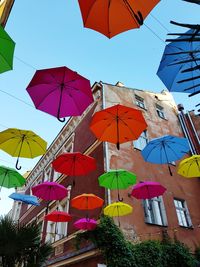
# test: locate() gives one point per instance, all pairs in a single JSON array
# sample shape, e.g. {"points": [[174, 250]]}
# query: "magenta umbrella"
{"points": [[85, 224], [60, 92], [50, 191], [147, 190]]}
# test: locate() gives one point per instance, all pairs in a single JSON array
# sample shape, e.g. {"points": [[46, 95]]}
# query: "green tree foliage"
{"points": [[118, 252], [21, 244]]}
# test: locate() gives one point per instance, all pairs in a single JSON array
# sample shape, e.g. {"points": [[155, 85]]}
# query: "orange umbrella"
{"points": [[118, 124], [86, 202], [111, 17]]}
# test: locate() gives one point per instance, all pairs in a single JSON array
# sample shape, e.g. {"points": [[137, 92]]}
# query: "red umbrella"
{"points": [[147, 190], [74, 164], [60, 92], [85, 224], [50, 191], [58, 216]]}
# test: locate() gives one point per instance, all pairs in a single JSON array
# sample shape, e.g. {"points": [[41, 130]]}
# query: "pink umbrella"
{"points": [[50, 191], [60, 92], [147, 190], [85, 224]]}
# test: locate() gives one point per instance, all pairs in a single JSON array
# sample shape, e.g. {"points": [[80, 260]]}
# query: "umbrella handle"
{"points": [[139, 18], [16, 165], [118, 146], [61, 119], [170, 170]]}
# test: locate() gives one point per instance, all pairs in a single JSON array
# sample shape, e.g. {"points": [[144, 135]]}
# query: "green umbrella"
{"points": [[10, 178], [7, 46], [117, 179]]}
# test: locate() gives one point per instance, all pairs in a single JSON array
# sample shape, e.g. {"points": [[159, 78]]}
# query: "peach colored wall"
{"points": [[130, 159]]}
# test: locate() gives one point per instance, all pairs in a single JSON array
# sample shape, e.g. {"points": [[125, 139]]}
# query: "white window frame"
{"points": [[182, 213], [160, 111], [142, 141], [140, 102], [154, 211]]}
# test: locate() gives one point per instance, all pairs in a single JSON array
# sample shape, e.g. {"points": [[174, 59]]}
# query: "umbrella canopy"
{"points": [[74, 164], [165, 149], [22, 143], [113, 17], [178, 69], [60, 92], [58, 216], [85, 224], [7, 46], [10, 178], [28, 199], [118, 124], [118, 209], [50, 191], [190, 167], [147, 190], [117, 179], [86, 202]]}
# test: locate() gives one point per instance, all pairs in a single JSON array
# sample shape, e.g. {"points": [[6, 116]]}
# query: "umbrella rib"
{"points": [[92, 5], [150, 151], [38, 144], [47, 95]]}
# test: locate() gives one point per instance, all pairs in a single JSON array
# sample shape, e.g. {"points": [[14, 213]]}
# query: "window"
{"points": [[182, 213], [139, 102], [141, 142], [154, 211], [101, 265], [160, 111]]}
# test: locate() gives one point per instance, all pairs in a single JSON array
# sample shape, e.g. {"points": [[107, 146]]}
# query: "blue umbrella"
{"points": [[179, 68], [165, 149], [25, 198]]}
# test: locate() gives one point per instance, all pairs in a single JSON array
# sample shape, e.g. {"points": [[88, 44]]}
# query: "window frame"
{"points": [[138, 144], [181, 211], [150, 211], [160, 112], [139, 101]]}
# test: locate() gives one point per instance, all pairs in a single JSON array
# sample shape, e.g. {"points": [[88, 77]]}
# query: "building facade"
{"points": [[176, 213]]}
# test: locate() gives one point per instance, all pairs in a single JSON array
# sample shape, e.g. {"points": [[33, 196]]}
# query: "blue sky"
{"points": [[50, 33]]}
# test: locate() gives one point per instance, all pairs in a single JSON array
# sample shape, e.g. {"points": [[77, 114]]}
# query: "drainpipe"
{"points": [[184, 127], [195, 132], [106, 146]]}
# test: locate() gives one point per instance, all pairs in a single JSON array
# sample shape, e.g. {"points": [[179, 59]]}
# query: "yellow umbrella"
{"points": [[118, 209], [190, 167], [22, 143]]}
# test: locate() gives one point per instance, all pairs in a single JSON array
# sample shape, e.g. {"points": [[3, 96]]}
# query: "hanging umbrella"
{"points": [[60, 92], [58, 216], [118, 124], [117, 179], [179, 66], [74, 164], [50, 191], [193, 1], [113, 17], [86, 202], [22, 143], [190, 167], [7, 46], [10, 178], [165, 149], [85, 224], [28, 199], [118, 209], [147, 190]]}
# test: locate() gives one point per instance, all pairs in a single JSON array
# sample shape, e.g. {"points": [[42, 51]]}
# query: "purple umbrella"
{"points": [[50, 191], [60, 92], [147, 190], [85, 224]]}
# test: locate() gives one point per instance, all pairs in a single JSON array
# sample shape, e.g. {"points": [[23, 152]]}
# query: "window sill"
{"points": [[154, 224], [142, 108], [162, 118], [187, 227]]}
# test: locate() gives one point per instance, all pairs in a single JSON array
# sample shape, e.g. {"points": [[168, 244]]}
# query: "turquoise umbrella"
{"points": [[117, 179]]}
